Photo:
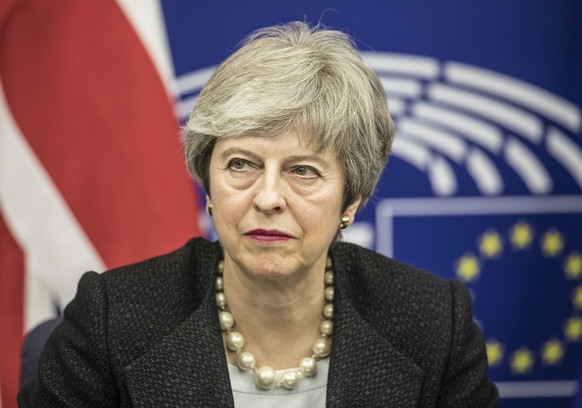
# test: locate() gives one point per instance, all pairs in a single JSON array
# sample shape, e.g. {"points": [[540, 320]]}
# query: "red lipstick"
{"points": [[268, 235]]}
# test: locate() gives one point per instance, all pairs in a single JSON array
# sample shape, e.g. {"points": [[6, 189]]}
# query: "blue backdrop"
{"points": [[485, 183]]}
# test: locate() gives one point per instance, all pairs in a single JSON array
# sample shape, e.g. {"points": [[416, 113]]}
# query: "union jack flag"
{"points": [[91, 170]]}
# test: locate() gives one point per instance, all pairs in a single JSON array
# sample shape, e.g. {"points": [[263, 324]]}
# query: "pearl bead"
{"points": [[235, 341], [326, 327], [265, 377], [219, 284], [328, 278], [289, 379], [329, 293], [328, 263], [220, 300], [328, 311], [226, 320], [220, 267], [322, 347], [308, 366], [246, 361]]}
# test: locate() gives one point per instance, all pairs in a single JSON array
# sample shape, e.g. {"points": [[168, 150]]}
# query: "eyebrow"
{"points": [[293, 158], [311, 157], [233, 150]]}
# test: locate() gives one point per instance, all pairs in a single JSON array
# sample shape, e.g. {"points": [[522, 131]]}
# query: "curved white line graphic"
{"points": [[403, 87], [404, 64], [484, 172], [440, 140], [564, 150], [530, 169], [396, 106], [475, 130], [416, 155], [479, 166], [546, 103], [517, 120], [442, 177]]}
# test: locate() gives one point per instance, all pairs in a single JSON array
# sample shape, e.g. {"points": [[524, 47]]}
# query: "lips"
{"points": [[268, 235]]}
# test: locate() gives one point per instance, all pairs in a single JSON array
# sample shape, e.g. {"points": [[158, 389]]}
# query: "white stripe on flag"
{"points": [[56, 248], [147, 19]]}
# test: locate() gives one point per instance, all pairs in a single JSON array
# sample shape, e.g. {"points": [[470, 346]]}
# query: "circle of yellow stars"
{"points": [[521, 236]]}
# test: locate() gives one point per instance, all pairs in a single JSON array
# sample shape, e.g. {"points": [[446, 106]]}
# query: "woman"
{"points": [[288, 139]]}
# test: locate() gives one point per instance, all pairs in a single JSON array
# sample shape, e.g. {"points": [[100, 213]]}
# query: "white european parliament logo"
{"points": [[455, 113]]}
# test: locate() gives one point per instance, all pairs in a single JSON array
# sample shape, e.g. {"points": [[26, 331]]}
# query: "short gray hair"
{"points": [[301, 78]]}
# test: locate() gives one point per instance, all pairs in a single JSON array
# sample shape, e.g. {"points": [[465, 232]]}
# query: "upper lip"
{"points": [[271, 232]]}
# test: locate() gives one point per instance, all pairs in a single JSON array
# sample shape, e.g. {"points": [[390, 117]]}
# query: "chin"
{"points": [[270, 271], [269, 267]]}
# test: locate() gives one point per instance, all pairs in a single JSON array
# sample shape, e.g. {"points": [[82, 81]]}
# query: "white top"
{"points": [[309, 391]]}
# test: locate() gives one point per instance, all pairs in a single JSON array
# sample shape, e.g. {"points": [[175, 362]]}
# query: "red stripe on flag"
{"points": [[11, 314], [88, 99]]}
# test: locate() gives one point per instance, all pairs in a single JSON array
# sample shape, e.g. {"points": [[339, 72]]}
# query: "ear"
{"points": [[351, 210]]}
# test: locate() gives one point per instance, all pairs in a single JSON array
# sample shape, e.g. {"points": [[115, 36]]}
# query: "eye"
{"points": [[238, 164], [306, 171]]}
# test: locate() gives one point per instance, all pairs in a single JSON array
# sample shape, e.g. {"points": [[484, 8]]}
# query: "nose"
{"points": [[270, 197]]}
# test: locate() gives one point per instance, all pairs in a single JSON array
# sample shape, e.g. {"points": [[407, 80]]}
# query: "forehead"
{"points": [[288, 143]]}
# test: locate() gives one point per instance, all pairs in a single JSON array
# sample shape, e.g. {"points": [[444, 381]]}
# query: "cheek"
{"points": [[320, 215], [229, 207], [226, 220]]}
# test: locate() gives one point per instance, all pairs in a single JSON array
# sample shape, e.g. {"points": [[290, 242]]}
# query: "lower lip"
{"points": [[269, 238]]}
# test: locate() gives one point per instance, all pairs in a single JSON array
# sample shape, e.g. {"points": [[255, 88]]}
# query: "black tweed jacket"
{"points": [[147, 335]]}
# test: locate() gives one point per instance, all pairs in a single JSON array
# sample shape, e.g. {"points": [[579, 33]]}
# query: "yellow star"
{"points": [[468, 267], [553, 352], [552, 243], [490, 244], [521, 235], [573, 265], [522, 361], [577, 297], [494, 352], [573, 330]]}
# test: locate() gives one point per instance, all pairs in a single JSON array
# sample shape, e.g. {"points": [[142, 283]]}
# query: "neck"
{"points": [[279, 318]]}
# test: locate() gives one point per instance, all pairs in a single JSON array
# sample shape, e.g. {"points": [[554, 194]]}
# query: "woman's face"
{"points": [[276, 204]]}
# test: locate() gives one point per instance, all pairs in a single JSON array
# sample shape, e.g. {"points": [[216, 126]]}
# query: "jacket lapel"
{"points": [[187, 368], [365, 369]]}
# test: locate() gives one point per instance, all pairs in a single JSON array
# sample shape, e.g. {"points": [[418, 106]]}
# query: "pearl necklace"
{"points": [[265, 376]]}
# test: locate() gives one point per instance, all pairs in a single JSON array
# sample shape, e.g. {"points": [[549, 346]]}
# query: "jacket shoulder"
{"points": [[147, 300], [411, 308], [368, 265], [195, 253]]}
